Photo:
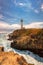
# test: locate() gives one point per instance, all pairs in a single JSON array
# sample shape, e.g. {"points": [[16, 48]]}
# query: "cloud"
{"points": [[1, 16], [5, 27], [15, 26], [21, 4], [24, 4], [18, 3], [42, 7], [34, 25], [27, 6], [36, 11]]}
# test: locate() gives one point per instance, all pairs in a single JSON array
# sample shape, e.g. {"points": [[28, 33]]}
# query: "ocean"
{"points": [[29, 56]]}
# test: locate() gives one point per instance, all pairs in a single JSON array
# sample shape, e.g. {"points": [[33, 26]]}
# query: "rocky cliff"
{"points": [[28, 39], [1, 49]]}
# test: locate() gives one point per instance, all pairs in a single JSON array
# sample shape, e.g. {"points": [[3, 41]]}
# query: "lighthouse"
{"points": [[21, 23]]}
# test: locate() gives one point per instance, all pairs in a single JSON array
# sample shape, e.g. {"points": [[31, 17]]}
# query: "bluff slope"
{"points": [[28, 39]]}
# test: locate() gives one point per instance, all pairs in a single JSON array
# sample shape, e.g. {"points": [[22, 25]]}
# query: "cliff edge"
{"points": [[28, 39]]}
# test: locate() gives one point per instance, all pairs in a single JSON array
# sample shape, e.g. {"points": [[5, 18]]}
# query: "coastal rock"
{"points": [[28, 39], [1, 49], [10, 58]]}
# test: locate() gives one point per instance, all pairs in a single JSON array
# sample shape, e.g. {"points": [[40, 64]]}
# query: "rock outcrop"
{"points": [[28, 39], [10, 58], [1, 49]]}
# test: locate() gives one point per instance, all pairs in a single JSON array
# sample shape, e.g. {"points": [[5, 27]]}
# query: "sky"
{"points": [[12, 11]]}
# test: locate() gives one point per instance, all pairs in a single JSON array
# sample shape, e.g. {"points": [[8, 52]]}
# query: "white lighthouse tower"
{"points": [[21, 23]]}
